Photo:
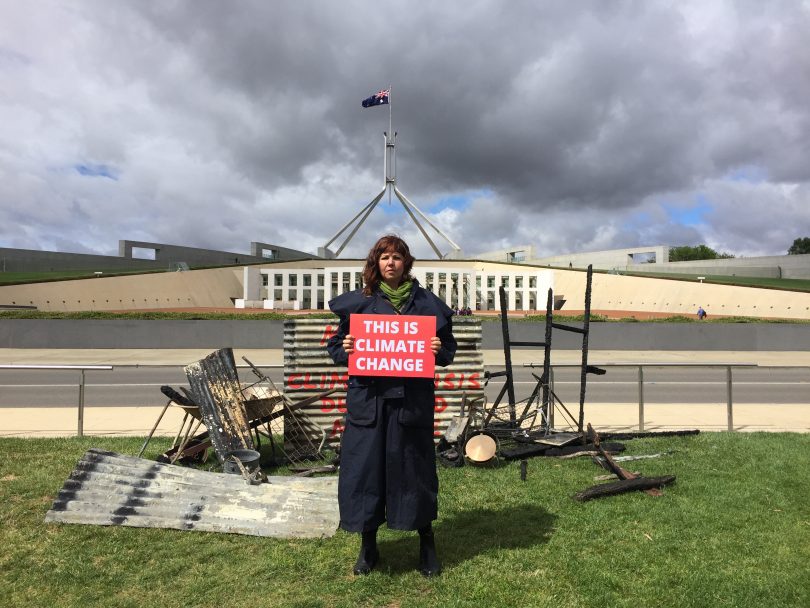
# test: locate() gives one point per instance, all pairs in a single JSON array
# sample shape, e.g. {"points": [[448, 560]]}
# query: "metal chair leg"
{"points": [[154, 428], [182, 446]]}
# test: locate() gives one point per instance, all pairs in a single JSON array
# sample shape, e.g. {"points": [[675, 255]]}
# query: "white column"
{"points": [[510, 292], [327, 287]]}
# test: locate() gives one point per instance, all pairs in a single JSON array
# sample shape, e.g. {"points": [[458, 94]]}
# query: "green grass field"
{"points": [[13, 278], [269, 316], [768, 283], [734, 530]]}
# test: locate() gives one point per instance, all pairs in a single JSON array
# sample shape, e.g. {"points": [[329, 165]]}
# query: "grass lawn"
{"points": [[734, 530], [766, 282], [16, 278]]}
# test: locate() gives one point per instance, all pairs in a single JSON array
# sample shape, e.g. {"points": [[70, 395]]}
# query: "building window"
{"points": [[293, 295], [265, 280], [278, 280], [532, 282], [518, 282], [277, 295], [358, 280], [490, 282], [505, 282], [320, 280], [307, 280], [293, 280]]}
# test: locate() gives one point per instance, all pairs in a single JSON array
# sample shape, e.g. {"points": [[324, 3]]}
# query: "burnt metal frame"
{"points": [[298, 445], [543, 382]]}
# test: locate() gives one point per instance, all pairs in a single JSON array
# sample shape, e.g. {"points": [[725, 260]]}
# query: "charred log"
{"points": [[623, 485]]}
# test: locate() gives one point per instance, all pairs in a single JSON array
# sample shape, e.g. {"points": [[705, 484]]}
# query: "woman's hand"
{"points": [[348, 344], [435, 344]]}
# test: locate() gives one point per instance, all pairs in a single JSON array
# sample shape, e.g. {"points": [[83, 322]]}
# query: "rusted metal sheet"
{"points": [[110, 489], [216, 390], [308, 369]]}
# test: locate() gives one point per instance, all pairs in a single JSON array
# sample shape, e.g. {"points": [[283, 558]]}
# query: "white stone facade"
{"points": [[458, 285]]}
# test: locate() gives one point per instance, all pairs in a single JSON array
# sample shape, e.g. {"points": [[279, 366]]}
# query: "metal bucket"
{"points": [[248, 458]]}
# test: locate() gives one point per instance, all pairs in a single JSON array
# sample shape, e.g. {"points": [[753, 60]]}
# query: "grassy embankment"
{"points": [[734, 530], [267, 316], [9, 278]]}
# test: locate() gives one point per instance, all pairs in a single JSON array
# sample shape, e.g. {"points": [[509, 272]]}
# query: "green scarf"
{"points": [[397, 296]]}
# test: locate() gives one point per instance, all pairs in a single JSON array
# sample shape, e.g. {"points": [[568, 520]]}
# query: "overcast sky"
{"points": [[568, 126]]}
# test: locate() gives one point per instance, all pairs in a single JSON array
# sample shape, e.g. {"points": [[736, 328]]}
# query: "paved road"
{"points": [[139, 386]]}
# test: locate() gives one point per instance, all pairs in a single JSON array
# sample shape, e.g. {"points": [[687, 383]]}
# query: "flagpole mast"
{"points": [[390, 138]]}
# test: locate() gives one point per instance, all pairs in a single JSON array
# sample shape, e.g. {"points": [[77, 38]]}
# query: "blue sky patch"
{"points": [[89, 170], [458, 202], [689, 216]]}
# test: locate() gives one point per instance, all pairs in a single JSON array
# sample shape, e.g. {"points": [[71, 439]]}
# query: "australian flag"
{"points": [[377, 99]]}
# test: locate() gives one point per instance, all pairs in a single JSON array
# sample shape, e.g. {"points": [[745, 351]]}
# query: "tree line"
{"points": [[687, 253]]}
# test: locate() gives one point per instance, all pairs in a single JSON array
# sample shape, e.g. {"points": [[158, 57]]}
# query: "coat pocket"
{"points": [[418, 408], [361, 403]]}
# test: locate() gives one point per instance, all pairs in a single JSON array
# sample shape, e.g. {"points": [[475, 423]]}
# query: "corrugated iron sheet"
{"points": [[308, 369], [216, 390], [110, 489]]}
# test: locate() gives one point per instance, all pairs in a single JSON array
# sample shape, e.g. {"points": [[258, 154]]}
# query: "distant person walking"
{"points": [[701, 314]]}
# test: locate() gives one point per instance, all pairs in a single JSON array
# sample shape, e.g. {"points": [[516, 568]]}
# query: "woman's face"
{"points": [[392, 267]]}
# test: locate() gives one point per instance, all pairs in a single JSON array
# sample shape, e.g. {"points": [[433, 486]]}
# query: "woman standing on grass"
{"points": [[387, 456]]}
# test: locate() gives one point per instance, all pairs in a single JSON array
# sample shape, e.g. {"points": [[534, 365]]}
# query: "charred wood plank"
{"points": [[611, 465], [623, 436], [526, 450], [623, 485]]}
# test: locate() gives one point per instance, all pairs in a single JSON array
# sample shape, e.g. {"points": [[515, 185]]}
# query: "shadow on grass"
{"points": [[465, 535]]}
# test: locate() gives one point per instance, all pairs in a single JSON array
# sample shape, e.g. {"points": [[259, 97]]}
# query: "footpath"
{"points": [[43, 421]]}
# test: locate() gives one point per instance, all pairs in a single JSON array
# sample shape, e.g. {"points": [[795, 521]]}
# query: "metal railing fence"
{"points": [[640, 367], [81, 369]]}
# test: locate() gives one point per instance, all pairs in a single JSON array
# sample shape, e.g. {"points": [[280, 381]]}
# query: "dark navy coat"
{"points": [[388, 469]]}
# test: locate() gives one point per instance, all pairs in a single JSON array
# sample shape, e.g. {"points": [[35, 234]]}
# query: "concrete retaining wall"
{"points": [[122, 334]]}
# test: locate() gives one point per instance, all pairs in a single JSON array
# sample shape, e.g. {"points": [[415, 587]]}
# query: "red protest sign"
{"points": [[392, 345]]}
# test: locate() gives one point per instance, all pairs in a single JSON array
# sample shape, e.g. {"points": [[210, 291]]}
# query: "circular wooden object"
{"points": [[480, 448]]}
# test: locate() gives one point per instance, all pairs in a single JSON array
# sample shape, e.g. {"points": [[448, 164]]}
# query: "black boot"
{"points": [[368, 553], [428, 561]]}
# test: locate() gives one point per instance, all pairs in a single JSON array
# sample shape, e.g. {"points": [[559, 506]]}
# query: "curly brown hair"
{"points": [[371, 271]]}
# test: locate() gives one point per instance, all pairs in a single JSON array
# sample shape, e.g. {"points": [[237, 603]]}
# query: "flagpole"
{"points": [[391, 139], [390, 184]]}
